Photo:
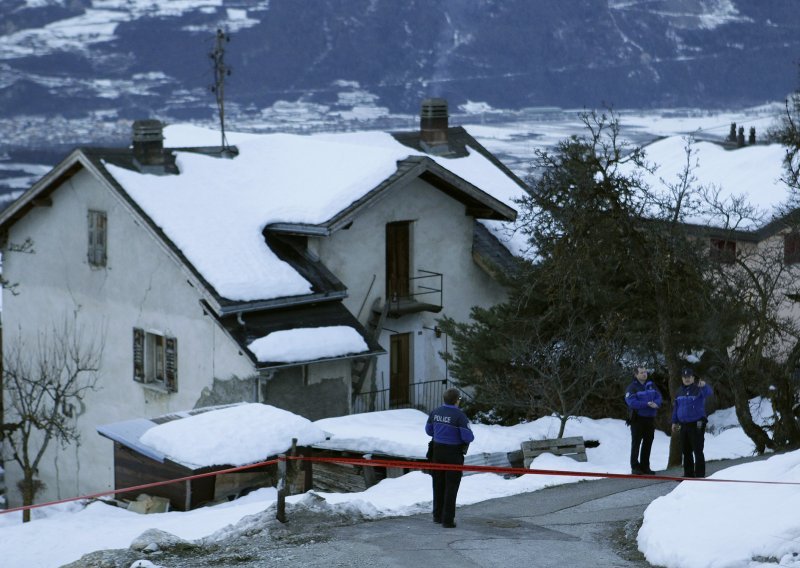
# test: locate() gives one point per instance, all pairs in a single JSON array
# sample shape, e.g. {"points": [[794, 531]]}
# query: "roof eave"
{"points": [[303, 229], [284, 302], [267, 366], [63, 170], [424, 167]]}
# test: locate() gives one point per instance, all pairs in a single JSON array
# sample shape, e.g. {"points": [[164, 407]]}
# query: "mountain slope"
{"points": [[133, 58]]}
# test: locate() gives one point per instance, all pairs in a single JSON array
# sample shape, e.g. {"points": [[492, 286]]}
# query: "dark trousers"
{"points": [[642, 433], [692, 442], [446, 483]]}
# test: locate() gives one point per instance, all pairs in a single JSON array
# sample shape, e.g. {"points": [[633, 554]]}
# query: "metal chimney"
{"points": [[433, 125], [148, 142]]}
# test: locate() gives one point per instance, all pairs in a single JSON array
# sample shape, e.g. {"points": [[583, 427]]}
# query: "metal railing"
{"points": [[428, 285], [426, 289], [423, 396]]}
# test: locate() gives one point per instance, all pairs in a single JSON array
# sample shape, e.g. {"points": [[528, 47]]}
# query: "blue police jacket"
{"points": [[638, 395], [690, 403], [448, 425]]}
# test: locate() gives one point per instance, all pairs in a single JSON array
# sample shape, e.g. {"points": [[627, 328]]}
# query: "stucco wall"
{"points": [[773, 248], [314, 391], [141, 286], [441, 241]]}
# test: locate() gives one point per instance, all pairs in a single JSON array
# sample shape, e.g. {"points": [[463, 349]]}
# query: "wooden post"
{"points": [[291, 470], [281, 513], [308, 475], [369, 472]]}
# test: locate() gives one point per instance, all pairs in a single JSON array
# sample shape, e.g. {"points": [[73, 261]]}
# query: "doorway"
{"points": [[398, 259], [400, 370]]}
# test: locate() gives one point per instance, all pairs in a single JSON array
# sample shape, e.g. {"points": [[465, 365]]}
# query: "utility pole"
{"points": [[220, 72]]}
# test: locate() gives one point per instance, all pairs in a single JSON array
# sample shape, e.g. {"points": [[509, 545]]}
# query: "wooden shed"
{"points": [[137, 464]]}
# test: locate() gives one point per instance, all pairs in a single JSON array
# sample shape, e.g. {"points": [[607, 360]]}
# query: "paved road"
{"points": [[585, 524], [591, 524]]}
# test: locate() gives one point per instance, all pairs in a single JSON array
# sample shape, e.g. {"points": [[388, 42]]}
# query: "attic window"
{"points": [[723, 251], [155, 359], [97, 238], [791, 248]]}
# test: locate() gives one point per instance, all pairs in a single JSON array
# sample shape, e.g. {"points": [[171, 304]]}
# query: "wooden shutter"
{"points": [[138, 355], [92, 239], [171, 365], [97, 238]]}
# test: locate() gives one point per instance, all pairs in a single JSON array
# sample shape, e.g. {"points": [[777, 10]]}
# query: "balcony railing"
{"points": [[424, 396], [425, 295]]}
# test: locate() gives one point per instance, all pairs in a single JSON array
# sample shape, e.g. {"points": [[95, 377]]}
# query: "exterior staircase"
{"points": [[363, 366]]}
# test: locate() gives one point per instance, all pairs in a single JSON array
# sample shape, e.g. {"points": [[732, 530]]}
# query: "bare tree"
{"points": [[788, 133], [45, 383], [756, 301], [566, 371], [537, 369]]}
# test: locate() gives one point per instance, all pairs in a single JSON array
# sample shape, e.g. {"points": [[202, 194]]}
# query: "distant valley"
{"points": [[78, 72]]}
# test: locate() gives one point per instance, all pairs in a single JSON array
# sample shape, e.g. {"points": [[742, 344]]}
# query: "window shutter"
{"points": [[138, 355], [791, 248], [97, 238], [171, 371], [92, 239], [100, 239]]}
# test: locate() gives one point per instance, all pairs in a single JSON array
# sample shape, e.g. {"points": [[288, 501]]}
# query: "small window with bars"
{"points": [[791, 248], [98, 223], [155, 359], [723, 251]]}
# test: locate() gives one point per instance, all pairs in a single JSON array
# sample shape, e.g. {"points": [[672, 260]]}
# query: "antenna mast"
{"points": [[220, 72]]}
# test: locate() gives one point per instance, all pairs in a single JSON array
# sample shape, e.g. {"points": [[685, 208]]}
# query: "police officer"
{"points": [[689, 418], [451, 433], [643, 400]]}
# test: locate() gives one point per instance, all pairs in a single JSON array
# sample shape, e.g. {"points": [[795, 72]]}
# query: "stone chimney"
{"points": [[433, 119], [148, 144]]}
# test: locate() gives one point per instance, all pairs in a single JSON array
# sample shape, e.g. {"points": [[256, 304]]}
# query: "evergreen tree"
{"points": [[614, 278]]}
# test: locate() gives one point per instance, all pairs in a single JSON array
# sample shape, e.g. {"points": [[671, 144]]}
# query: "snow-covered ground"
{"points": [[759, 519]]}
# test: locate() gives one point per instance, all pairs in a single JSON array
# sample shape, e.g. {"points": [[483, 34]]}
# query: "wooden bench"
{"points": [[573, 447]]}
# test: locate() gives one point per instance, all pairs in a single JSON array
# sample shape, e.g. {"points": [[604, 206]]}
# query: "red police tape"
{"points": [[524, 471], [399, 464], [144, 486]]}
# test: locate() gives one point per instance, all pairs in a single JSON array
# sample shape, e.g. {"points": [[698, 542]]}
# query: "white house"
{"points": [[303, 271]]}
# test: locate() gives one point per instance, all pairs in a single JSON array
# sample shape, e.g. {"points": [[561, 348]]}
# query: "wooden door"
{"points": [[397, 260], [400, 370]]}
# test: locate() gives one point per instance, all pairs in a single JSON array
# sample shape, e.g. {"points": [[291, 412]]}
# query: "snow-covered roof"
{"points": [[753, 172], [215, 210], [308, 344], [236, 435]]}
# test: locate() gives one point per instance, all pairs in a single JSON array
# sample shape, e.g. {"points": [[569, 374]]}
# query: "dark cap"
{"points": [[687, 372]]}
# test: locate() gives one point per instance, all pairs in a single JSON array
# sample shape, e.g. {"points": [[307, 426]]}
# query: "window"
{"points": [[97, 238], [155, 359], [723, 251], [398, 260], [791, 248]]}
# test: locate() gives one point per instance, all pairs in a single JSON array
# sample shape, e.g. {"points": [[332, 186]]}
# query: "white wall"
{"points": [[141, 286], [441, 236]]}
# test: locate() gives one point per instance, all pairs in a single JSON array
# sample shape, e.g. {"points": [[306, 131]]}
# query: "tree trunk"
{"points": [[674, 373], [742, 406], [562, 426], [27, 494], [787, 431]]}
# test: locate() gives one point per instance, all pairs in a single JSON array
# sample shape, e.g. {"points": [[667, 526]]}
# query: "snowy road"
{"points": [[585, 524]]}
